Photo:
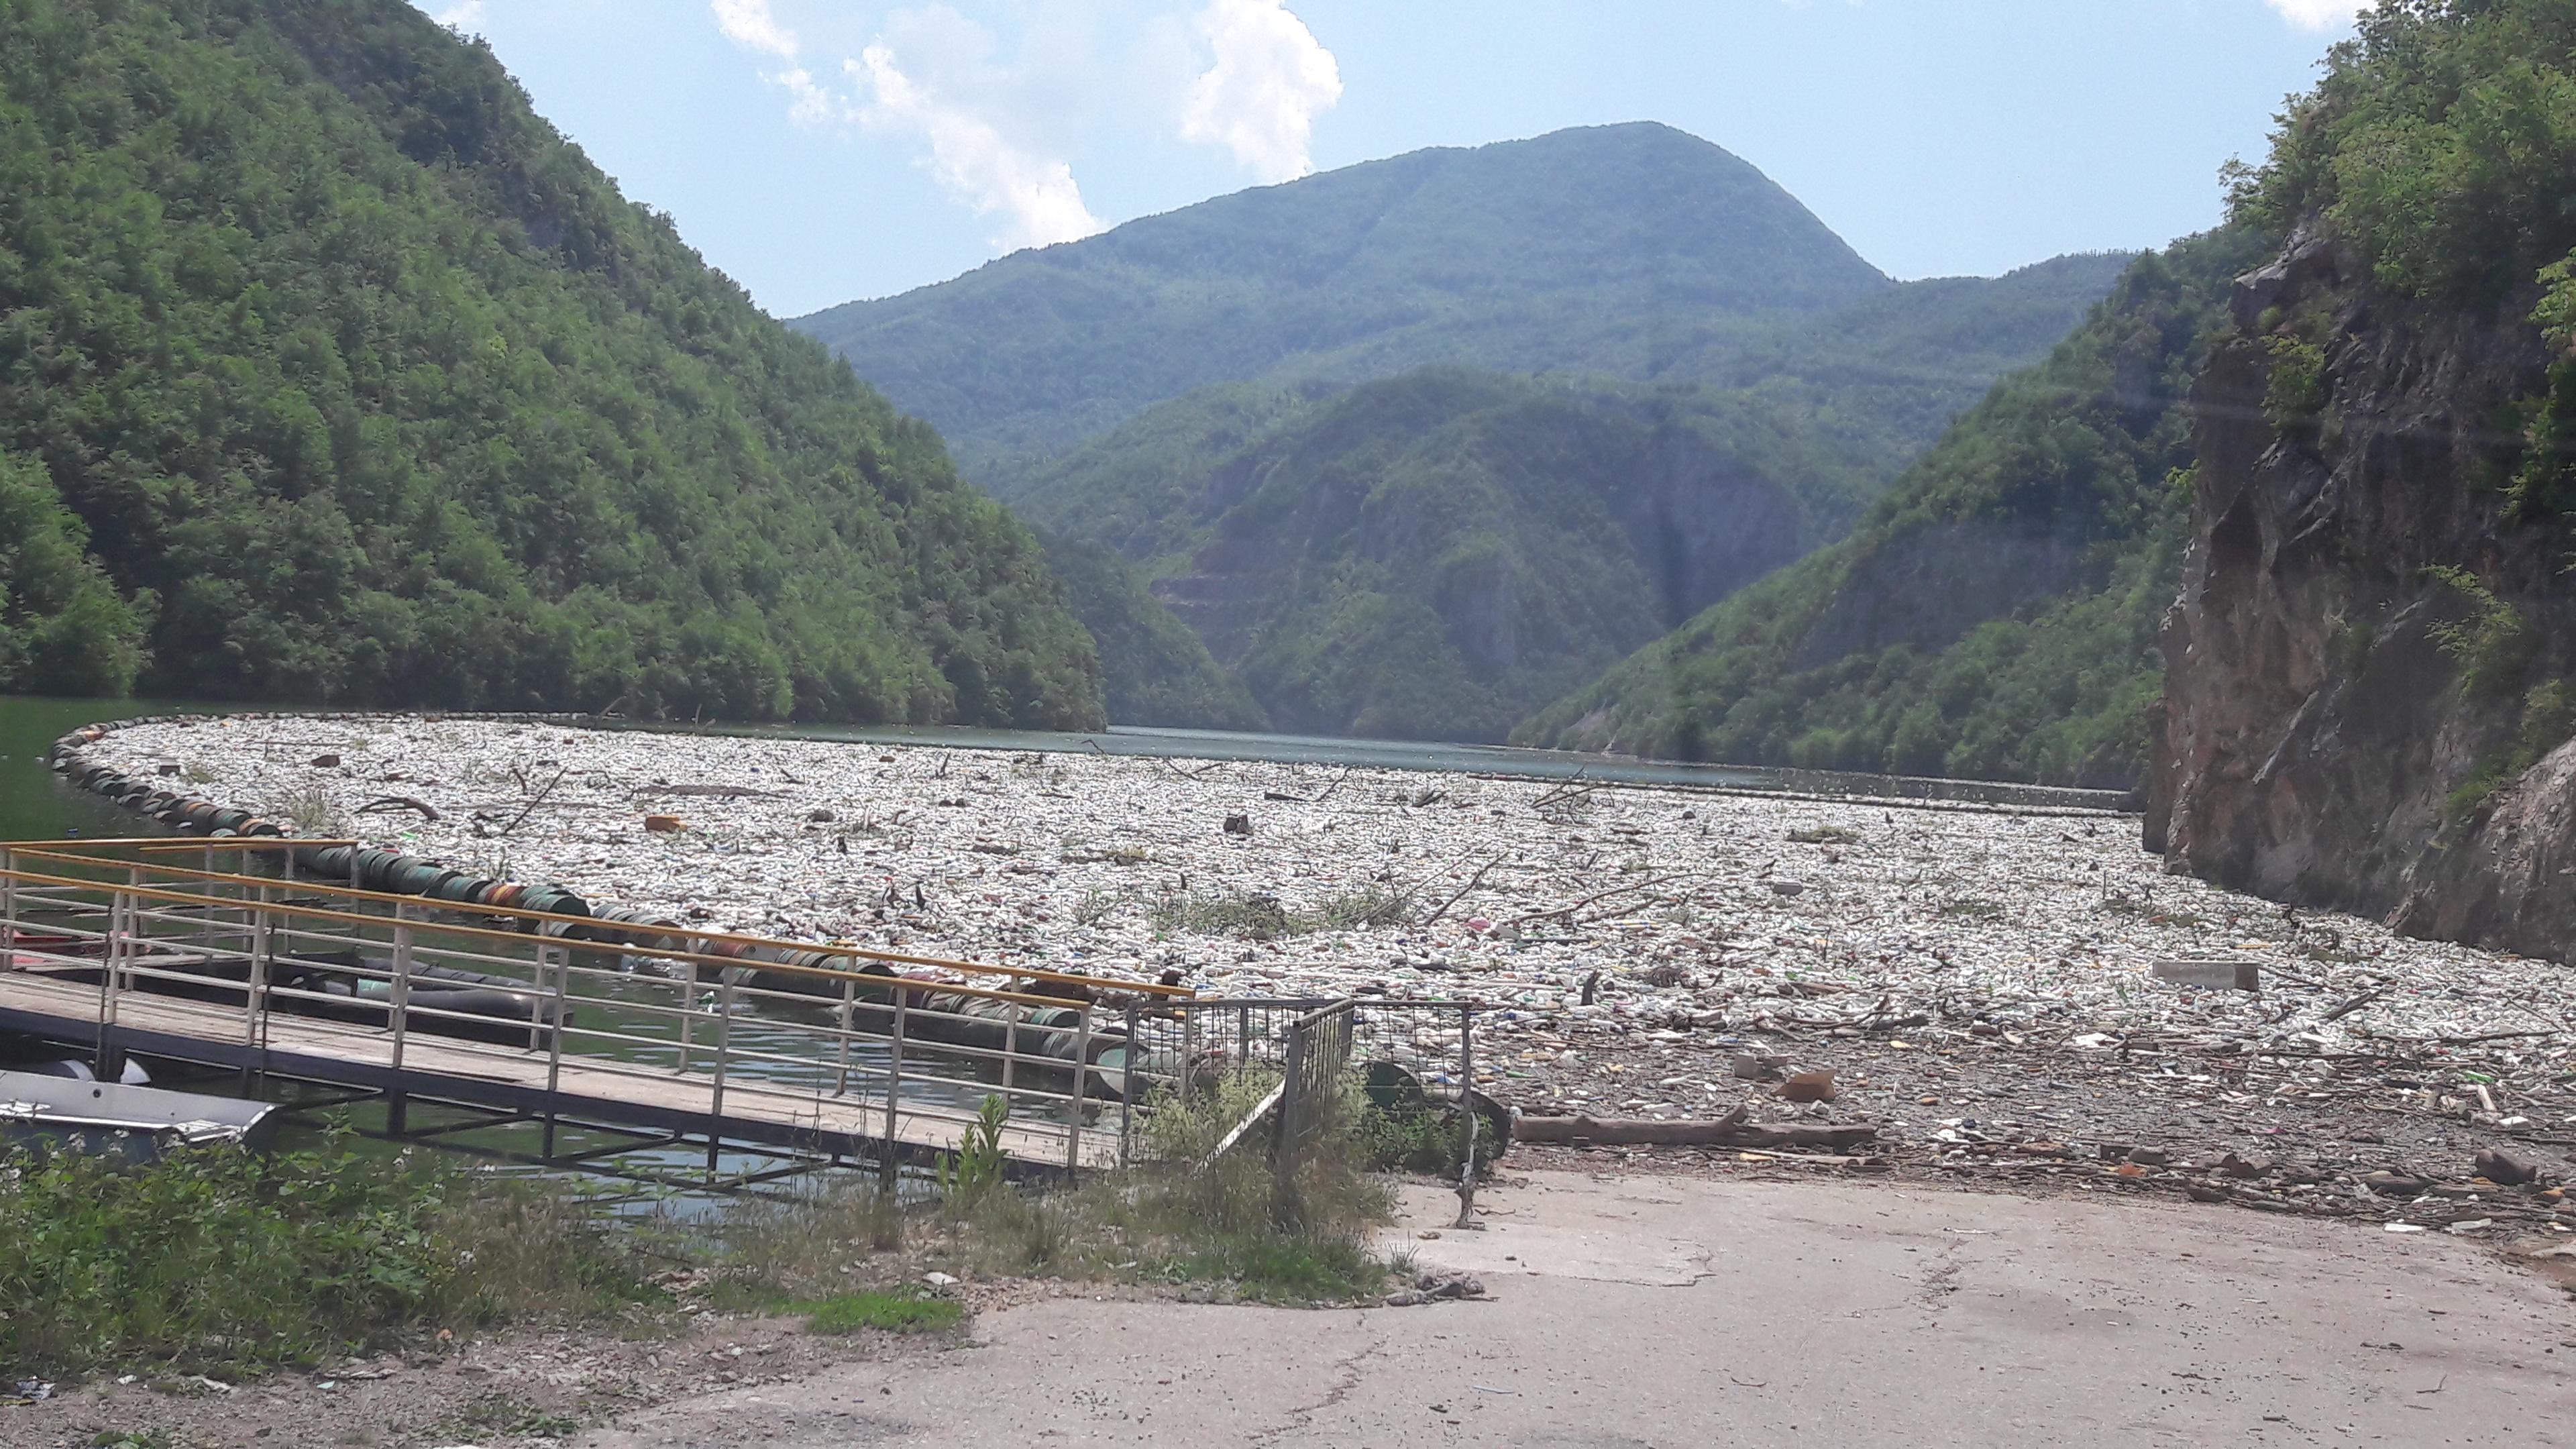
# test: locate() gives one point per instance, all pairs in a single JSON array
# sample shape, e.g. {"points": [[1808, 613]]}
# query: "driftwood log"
{"points": [[1730, 1130], [384, 803]]}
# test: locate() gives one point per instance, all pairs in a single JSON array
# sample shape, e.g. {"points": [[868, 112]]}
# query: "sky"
{"points": [[821, 151]]}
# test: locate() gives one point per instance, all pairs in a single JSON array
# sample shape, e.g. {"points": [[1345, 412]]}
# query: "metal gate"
{"points": [[1319, 1052]]}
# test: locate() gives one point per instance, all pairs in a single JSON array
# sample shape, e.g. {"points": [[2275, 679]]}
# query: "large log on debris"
{"points": [[1730, 1130]]}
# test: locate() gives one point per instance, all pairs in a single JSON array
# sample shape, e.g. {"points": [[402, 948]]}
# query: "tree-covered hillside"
{"points": [[1433, 555], [1610, 249], [329, 371], [1829, 408], [1154, 670], [1995, 614]]}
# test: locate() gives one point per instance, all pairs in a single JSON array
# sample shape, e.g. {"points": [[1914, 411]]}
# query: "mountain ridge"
{"points": [[1447, 254]]}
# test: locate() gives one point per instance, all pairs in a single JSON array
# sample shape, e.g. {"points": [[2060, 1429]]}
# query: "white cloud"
{"points": [[749, 24], [2320, 14], [464, 15], [1270, 80], [971, 156]]}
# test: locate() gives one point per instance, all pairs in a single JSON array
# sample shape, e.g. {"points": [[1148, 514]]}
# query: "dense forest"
{"points": [[1435, 554], [1995, 614], [1153, 669], [330, 372]]}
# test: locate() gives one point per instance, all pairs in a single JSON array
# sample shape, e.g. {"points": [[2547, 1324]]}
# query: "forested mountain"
{"points": [[1126, 390], [1154, 670], [1633, 251], [1995, 614], [1434, 554], [329, 371], [1258, 510]]}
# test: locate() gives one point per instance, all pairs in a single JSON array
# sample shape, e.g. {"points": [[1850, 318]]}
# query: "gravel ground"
{"points": [[516, 1389], [1978, 979]]}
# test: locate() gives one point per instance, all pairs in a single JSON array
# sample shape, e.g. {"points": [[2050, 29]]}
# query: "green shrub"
{"points": [[2296, 391], [2493, 644], [977, 1168], [215, 1258]]}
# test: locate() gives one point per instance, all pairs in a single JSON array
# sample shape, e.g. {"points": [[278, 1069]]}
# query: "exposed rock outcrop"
{"points": [[2369, 639]]}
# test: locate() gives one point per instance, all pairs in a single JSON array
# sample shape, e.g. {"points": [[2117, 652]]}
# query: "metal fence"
{"points": [[216, 951], [1221, 1036], [149, 946], [1318, 1052], [1308, 1055]]}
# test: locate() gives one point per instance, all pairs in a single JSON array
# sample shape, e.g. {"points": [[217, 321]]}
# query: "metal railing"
{"points": [[642, 1013], [1318, 1052], [1306, 1056], [1220, 1036]]}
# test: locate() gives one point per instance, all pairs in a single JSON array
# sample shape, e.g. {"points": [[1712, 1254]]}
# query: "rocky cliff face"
{"points": [[2365, 691]]}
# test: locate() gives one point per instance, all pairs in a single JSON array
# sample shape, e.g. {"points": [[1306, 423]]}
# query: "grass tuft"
{"points": [[895, 1312]]}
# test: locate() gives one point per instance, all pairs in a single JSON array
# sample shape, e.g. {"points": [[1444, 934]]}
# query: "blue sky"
{"points": [[825, 150]]}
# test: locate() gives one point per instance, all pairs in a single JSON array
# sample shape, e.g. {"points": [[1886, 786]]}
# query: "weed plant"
{"points": [[214, 1259]]}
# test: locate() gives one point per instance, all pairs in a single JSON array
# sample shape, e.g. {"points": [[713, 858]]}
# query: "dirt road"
{"points": [[1669, 1311]]}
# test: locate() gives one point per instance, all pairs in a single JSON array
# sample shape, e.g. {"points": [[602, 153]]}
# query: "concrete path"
{"points": [[1669, 1311]]}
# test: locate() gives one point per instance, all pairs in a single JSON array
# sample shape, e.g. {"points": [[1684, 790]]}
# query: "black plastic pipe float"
{"points": [[353, 987]]}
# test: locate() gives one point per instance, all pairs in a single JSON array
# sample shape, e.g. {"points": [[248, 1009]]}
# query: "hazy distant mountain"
{"points": [[1294, 411], [1613, 249], [1434, 555], [1995, 614]]}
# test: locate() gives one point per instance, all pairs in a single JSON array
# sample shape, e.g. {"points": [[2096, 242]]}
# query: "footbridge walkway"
{"points": [[215, 952]]}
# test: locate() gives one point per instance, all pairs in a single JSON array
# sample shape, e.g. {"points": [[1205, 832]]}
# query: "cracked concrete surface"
{"points": [[1663, 1311]]}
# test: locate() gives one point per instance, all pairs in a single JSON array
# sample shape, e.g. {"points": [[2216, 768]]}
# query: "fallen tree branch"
{"points": [[398, 802], [1455, 896], [560, 772], [1567, 791], [1599, 896], [2453, 1040], [2355, 1004], [1730, 1130]]}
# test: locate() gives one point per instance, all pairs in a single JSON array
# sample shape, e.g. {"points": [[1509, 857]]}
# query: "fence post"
{"points": [[1127, 1091], [724, 1046], [402, 980], [1081, 1084], [8, 910], [111, 961], [886, 1169], [1467, 1104], [555, 1035], [688, 1012], [255, 994], [1010, 1050], [849, 999], [287, 881]]}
